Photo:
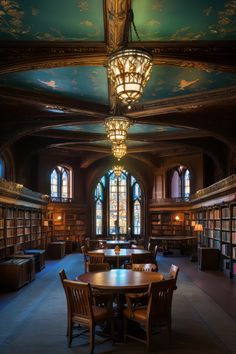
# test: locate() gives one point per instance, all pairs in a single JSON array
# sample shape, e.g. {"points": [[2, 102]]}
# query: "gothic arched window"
{"points": [[61, 183], [180, 183], [117, 204]]}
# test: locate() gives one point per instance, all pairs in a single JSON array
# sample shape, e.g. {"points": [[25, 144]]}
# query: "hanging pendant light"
{"points": [[119, 150], [117, 128], [129, 69]]}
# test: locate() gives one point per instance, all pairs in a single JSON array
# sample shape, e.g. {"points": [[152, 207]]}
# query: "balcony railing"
{"points": [[60, 200]]}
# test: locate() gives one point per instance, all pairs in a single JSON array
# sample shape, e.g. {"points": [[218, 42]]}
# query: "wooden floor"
{"points": [[33, 320]]}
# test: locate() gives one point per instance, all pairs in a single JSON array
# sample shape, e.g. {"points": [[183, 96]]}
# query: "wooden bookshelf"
{"points": [[166, 224], [219, 233]]}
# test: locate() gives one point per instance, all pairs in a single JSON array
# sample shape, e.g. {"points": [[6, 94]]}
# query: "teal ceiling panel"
{"points": [[171, 81], [51, 20], [136, 128], [86, 83], [158, 20]]}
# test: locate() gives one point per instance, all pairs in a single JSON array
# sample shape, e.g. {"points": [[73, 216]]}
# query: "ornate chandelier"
{"points": [[117, 169], [119, 150], [129, 69], [117, 128]]}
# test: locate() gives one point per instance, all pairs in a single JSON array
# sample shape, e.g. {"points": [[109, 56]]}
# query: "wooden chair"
{"points": [[81, 310], [173, 273], [156, 312], [143, 258], [144, 267], [63, 276], [96, 258], [84, 250], [101, 298], [98, 267]]}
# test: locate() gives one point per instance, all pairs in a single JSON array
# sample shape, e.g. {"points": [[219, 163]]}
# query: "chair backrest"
{"points": [[79, 297], [144, 267], [173, 273], [96, 257], [84, 250], [160, 300], [155, 250], [93, 244], [98, 267], [143, 258], [62, 275]]}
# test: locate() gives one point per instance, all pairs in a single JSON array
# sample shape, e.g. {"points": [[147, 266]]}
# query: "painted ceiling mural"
{"points": [[89, 83], [83, 83], [160, 20], [78, 20], [51, 20]]}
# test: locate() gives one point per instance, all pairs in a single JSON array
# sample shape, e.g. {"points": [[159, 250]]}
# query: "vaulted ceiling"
{"points": [[54, 88]]}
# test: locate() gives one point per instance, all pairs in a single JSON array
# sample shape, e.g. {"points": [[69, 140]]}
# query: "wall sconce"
{"points": [[177, 218]]}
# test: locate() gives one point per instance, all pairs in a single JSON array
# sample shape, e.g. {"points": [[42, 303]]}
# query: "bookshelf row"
{"points": [[219, 231], [65, 224], [168, 224], [20, 228]]}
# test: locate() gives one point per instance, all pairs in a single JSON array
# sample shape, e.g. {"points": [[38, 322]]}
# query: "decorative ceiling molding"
{"points": [[183, 103], [207, 55]]}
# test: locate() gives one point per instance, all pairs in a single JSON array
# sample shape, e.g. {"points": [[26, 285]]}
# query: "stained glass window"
{"points": [[180, 182], [99, 206], [121, 209], [61, 182], [187, 183]]}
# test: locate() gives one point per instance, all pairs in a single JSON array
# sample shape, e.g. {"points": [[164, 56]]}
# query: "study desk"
{"points": [[121, 257], [120, 280]]}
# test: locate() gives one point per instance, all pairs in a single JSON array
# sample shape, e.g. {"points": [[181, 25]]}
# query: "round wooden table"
{"points": [[120, 280], [119, 258]]}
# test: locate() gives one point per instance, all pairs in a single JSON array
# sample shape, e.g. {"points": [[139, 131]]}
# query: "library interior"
{"points": [[117, 176]]}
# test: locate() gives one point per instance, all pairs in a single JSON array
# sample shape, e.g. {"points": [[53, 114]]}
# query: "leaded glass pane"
{"points": [[54, 184], [98, 217], [132, 181], [136, 191], [64, 187], [187, 183], [113, 202], [137, 218]]}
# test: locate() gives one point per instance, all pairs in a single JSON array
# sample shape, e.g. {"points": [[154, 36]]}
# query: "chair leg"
{"points": [[69, 330], [169, 331], [125, 328], [92, 335], [149, 335]]}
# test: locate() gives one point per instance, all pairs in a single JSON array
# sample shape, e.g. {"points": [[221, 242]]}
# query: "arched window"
{"points": [[187, 183], [61, 183], [99, 207], [136, 208], [180, 182], [2, 168], [117, 205]]}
